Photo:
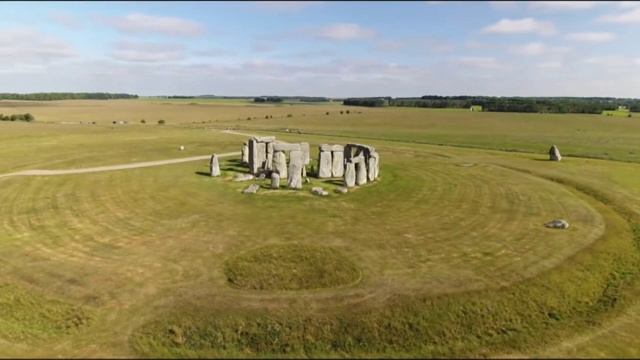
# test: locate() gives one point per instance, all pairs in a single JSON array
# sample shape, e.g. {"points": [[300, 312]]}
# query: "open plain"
{"points": [[445, 255]]}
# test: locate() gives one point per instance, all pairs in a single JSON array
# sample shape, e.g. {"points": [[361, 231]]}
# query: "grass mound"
{"points": [[26, 315], [291, 267]]}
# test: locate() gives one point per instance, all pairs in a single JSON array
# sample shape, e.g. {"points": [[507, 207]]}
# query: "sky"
{"points": [[323, 48]]}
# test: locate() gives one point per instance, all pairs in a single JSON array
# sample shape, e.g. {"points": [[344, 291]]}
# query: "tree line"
{"points": [[65, 96], [586, 105]]}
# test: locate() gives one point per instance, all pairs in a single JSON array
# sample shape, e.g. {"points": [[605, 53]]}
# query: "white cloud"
{"points": [[628, 4], [632, 16], [550, 65], [212, 52], [65, 19], [29, 46], [522, 26], [536, 49], [138, 23], [340, 32], [421, 44], [637, 61], [478, 61], [286, 6], [147, 51], [563, 5], [591, 36]]}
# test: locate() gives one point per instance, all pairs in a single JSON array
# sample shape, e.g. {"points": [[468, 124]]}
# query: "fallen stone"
{"points": [[557, 224], [554, 154], [251, 189], [325, 193], [243, 177], [275, 180], [341, 190], [317, 190], [262, 176], [214, 166]]}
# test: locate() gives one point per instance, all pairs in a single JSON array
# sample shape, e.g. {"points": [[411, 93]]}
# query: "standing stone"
{"points": [[350, 175], [347, 153], [269, 157], [275, 180], [324, 164], [304, 169], [294, 180], [337, 169], [371, 168], [245, 153], [254, 162], [280, 163], [377, 167], [361, 173], [214, 167], [554, 154], [304, 146], [262, 155]]}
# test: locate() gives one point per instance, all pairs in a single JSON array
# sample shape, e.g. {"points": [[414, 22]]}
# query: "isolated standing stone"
{"points": [[275, 180], [245, 153], [554, 154], [337, 169], [280, 163], [214, 167], [350, 175], [324, 164], [251, 189], [294, 180], [361, 173]]}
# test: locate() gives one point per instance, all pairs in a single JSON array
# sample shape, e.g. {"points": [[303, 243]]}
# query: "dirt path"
{"points": [[124, 166]]}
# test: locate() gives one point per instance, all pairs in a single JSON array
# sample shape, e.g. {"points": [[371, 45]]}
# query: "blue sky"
{"points": [[325, 48]]}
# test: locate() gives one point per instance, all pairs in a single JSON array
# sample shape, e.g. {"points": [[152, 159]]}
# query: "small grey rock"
{"points": [[341, 190], [243, 177], [262, 176], [324, 193], [557, 224], [251, 189], [317, 190]]}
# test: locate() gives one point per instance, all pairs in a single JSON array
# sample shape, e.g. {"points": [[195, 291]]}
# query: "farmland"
{"points": [[433, 260]]}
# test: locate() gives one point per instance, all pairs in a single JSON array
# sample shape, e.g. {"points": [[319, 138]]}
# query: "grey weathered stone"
{"points": [[306, 155], [324, 164], [377, 167], [245, 153], [337, 168], [262, 155], [554, 154], [317, 190], [275, 180], [325, 147], [251, 189], [286, 147], [557, 224], [280, 164], [243, 177], [371, 168], [264, 139], [262, 176], [269, 156], [341, 190], [304, 168], [325, 193], [337, 148], [357, 159], [214, 166], [361, 173], [350, 175], [294, 181]]}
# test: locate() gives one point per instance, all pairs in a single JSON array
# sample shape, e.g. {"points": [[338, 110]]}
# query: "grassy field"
{"points": [[617, 113], [435, 259]]}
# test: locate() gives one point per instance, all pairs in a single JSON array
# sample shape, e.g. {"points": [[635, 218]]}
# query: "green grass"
{"points": [[291, 267], [452, 261], [616, 112]]}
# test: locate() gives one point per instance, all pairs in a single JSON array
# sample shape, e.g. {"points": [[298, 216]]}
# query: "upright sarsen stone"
{"points": [[337, 169], [324, 163], [554, 154], [214, 166], [295, 170], [361, 173], [350, 175], [280, 164], [245, 153], [269, 156], [371, 167], [306, 156], [275, 180]]}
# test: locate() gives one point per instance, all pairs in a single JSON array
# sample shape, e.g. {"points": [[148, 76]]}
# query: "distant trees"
{"points": [[161, 122], [591, 105], [271, 99], [65, 96], [18, 117]]}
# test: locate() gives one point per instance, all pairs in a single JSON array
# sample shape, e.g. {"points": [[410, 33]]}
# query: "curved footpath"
{"points": [[124, 166]]}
